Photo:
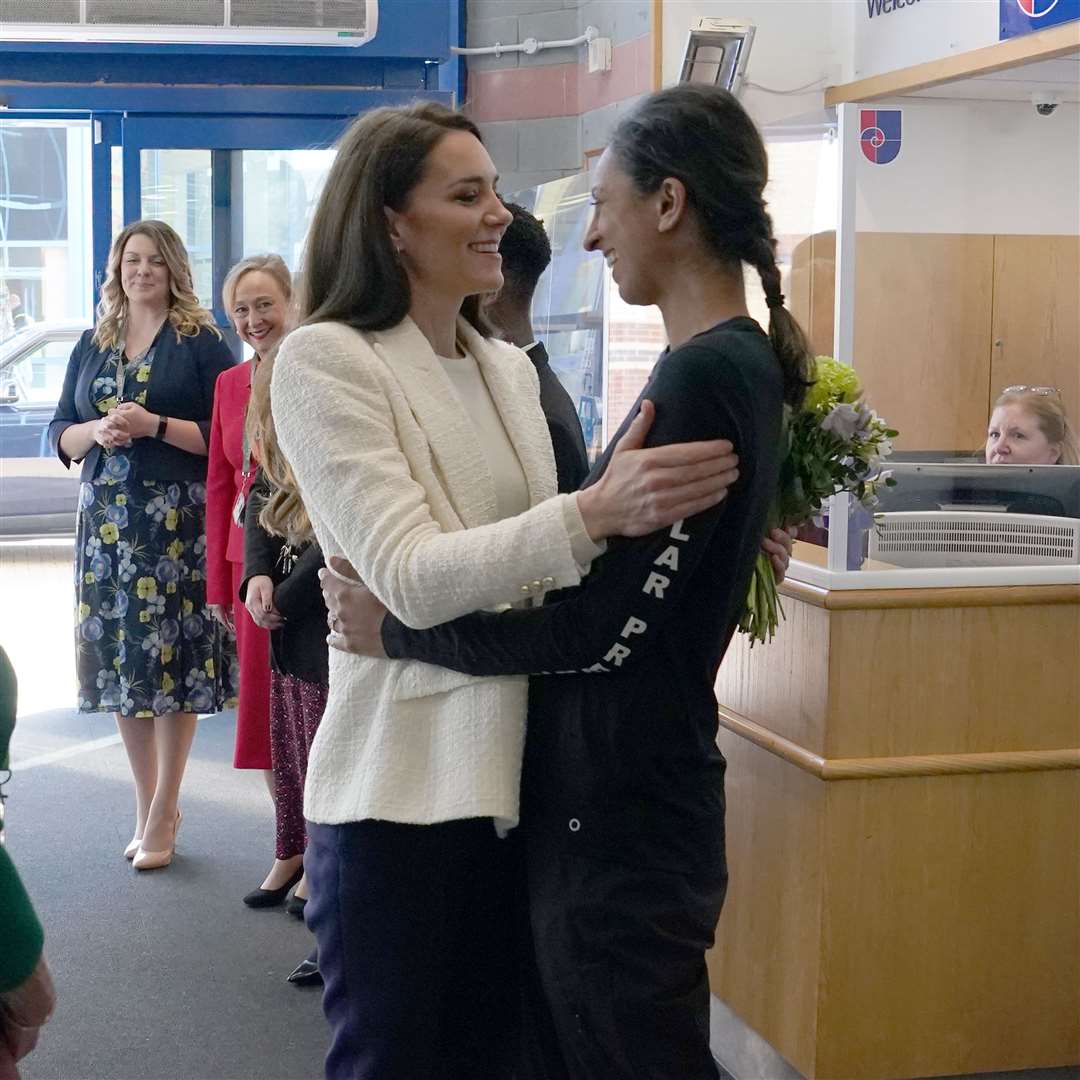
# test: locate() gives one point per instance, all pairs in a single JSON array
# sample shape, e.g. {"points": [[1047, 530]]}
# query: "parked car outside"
{"points": [[38, 496]]}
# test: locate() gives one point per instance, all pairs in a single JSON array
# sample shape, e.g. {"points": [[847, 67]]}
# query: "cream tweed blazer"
{"points": [[391, 472]]}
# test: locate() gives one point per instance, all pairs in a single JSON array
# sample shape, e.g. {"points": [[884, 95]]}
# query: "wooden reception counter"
{"points": [[903, 818]]}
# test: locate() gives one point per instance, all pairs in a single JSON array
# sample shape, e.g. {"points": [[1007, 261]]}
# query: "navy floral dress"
{"points": [[145, 643]]}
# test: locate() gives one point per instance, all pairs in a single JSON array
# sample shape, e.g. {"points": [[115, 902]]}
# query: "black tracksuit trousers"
{"points": [[619, 983]]}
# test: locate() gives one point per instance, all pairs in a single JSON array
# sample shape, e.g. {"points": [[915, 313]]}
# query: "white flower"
{"points": [[843, 421]]}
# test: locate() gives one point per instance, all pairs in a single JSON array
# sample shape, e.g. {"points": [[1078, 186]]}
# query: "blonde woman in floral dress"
{"points": [[135, 410]]}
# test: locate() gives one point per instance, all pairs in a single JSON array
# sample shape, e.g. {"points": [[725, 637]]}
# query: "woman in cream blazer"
{"points": [[414, 446]]}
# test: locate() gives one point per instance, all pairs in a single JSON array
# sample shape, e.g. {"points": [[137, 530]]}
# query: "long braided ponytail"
{"points": [[703, 137]]}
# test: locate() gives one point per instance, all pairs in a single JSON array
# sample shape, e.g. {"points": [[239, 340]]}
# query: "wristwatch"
{"points": [[162, 424]]}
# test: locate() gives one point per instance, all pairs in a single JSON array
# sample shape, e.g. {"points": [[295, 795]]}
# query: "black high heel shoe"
{"points": [[296, 905], [260, 898], [307, 973]]}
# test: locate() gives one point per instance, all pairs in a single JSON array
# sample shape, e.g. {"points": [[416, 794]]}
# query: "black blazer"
{"points": [[181, 385], [571, 457], [299, 648]]}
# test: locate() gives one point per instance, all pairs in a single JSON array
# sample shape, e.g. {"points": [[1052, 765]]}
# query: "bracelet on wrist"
{"points": [[162, 425]]}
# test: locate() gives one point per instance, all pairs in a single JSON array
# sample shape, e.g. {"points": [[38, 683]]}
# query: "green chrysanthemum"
{"points": [[833, 382]]}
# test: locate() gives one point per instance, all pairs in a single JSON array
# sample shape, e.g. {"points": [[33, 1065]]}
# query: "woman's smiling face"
{"points": [[449, 230], [144, 275], [259, 310]]}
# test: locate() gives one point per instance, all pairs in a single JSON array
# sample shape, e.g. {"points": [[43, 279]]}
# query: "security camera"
{"points": [[1044, 103]]}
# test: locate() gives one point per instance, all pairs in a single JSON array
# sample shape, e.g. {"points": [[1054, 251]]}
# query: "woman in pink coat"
{"points": [[256, 294]]}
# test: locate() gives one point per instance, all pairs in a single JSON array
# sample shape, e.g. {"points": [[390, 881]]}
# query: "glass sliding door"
{"points": [[280, 189], [230, 186], [45, 222], [177, 189]]}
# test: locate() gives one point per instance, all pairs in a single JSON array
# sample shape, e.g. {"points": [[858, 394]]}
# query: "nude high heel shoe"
{"points": [[155, 860]]}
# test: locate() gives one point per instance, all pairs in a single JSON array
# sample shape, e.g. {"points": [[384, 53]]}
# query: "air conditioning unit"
{"points": [[205, 22]]}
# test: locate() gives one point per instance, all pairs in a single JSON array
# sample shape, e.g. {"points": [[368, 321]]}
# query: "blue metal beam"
{"points": [[452, 71], [106, 134], [132, 180], [210, 132], [201, 69], [239, 101]]}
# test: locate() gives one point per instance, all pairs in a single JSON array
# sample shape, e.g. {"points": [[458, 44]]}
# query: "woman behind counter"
{"points": [[257, 294], [1029, 427], [135, 410]]}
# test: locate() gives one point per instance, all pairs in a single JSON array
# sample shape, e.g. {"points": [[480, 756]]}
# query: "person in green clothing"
{"points": [[26, 990]]}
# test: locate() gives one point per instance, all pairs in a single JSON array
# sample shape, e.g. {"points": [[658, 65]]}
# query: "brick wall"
{"points": [[540, 114]]}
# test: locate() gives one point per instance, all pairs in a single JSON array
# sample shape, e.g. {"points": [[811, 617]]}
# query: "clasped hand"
{"points": [[127, 421], [112, 430], [259, 601]]}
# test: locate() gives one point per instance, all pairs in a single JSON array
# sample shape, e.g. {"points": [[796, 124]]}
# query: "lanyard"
{"points": [[122, 368], [249, 464]]}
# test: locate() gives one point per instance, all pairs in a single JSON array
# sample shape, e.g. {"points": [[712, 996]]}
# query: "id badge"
{"points": [[238, 509]]}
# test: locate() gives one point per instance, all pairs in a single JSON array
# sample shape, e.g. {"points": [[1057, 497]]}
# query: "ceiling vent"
{"points": [[206, 22]]}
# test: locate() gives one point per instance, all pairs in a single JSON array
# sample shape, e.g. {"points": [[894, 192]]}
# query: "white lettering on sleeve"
{"points": [[677, 533], [634, 625], [669, 557], [617, 654], [656, 585]]}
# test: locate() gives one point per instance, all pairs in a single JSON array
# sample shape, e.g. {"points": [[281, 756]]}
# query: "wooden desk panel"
{"points": [[766, 963], [953, 680], [787, 680], [950, 925], [916, 924]]}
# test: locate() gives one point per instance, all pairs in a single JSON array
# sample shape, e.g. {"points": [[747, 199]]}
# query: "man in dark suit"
{"points": [[526, 253]]}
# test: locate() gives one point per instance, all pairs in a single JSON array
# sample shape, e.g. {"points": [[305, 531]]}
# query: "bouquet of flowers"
{"points": [[834, 443]]}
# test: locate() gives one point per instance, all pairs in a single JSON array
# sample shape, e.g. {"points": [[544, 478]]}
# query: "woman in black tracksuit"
{"points": [[623, 798]]}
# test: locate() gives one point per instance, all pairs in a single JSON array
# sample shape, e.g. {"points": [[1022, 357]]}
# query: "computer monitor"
{"points": [[1051, 490]]}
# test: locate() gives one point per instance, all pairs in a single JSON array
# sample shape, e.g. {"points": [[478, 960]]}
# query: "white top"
{"points": [[392, 469], [511, 489]]}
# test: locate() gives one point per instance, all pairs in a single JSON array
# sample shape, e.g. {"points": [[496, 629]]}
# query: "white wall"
{"points": [[797, 42], [976, 167], [927, 30], [836, 41]]}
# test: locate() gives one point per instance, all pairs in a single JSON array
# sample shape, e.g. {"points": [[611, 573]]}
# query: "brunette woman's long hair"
{"points": [[351, 271]]}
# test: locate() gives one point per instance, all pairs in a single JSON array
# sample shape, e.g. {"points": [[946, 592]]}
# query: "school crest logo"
{"points": [[879, 134], [1036, 9], [1016, 17]]}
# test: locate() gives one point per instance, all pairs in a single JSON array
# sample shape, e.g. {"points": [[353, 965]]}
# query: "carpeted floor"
{"points": [[163, 975]]}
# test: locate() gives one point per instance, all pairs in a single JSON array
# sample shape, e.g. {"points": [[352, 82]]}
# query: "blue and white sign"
{"points": [[1028, 16]]}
